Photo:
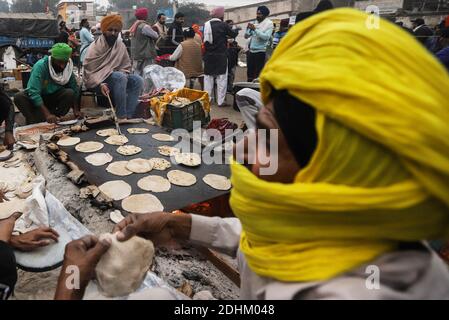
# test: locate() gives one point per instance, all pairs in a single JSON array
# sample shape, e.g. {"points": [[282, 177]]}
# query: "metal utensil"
{"points": [[114, 115]]}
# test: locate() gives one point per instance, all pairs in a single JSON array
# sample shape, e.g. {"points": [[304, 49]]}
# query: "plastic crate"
{"points": [[183, 117]]}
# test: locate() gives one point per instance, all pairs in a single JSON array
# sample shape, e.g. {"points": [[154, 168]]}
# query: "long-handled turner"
{"points": [[114, 115]]}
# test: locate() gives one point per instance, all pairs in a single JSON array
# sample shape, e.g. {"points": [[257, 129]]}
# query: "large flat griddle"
{"points": [[177, 197]]}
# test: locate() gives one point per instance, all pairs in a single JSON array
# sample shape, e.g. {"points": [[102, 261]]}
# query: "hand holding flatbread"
{"points": [[123, 267]]}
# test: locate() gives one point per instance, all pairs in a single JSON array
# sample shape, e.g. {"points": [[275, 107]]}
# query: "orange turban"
{"points": [[112, 20]]}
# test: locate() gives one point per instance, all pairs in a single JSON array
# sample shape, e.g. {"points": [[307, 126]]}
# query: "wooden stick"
{"points": [[114, 115]]}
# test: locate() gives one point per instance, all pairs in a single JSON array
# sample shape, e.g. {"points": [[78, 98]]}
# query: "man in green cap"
{"points": [[52, 89]]}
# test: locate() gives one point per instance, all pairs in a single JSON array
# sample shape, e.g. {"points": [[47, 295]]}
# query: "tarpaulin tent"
{"points": [[35, 25]]}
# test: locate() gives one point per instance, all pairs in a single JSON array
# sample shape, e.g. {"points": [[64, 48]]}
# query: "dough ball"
{"points": [[124, 266]]}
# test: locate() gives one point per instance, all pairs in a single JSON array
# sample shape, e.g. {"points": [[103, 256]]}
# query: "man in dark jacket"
{"points": [[175, 34], [422, 32], [216, 34]]}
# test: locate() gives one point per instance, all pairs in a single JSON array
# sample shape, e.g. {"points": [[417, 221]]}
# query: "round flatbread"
{"points": [[139, 166], [107, 133], [119, 169], [8, 208], [188, 159], [89, 147], [168, 151], [163, 137], [68, 141], [117, 140], [99, 159], [5, 155], [138, 131], [116, 190], [129, 150], [160, 164], [181, 178], [116, 216], [218, 182], [154, 184], [142, 203]]}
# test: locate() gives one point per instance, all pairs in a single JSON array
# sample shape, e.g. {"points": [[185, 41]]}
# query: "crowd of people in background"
{"points": [[320, 222], [209, 54]]}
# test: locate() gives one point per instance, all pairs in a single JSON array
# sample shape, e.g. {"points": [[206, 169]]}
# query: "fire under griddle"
{"points": [[175, 199]]}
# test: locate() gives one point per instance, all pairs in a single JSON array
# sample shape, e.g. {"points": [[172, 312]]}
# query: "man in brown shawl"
{"points": [[107, 69]]}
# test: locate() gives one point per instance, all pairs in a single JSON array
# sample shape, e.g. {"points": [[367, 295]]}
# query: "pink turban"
{"points": [[217, 12], [141, 14]]}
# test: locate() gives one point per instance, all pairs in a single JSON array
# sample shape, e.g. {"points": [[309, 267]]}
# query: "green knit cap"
{"points": [[61, 51]]}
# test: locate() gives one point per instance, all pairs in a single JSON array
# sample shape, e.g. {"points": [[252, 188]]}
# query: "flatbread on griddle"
{"points": [[107, 132], [68, 141], [117, 140], [129, 150], [218, 182], [188, 159], [155, 184], [163, 137], [116, 190], [168, 151], [119, 169], [99, 159], [89, 147], [139, 166], [160, 164], [142, 203], [138, 131], [181, 178]]}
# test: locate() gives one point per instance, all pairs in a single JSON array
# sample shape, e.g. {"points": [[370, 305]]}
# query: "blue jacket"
{"points": [[443, 56]]}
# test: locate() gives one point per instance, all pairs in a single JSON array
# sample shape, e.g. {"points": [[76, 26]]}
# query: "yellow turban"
{"points": [[380, 174], [111, 20]]}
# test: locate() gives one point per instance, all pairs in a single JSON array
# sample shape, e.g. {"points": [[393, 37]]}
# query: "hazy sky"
{"points": [[212, 2]]}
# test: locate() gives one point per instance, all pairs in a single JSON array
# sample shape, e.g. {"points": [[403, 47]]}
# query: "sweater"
{"points": [[261, 36], [41, 83]]}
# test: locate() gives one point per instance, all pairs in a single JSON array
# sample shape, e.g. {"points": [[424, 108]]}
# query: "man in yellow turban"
{"points": [[107, 69], [363, 171]]}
